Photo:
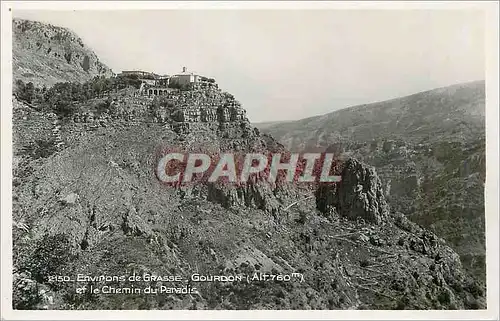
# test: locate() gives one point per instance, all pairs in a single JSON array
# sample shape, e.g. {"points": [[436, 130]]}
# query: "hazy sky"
{"points": [[290, 64]]}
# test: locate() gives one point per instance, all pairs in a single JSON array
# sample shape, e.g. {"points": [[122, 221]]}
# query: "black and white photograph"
{"points": [[248, 159]]}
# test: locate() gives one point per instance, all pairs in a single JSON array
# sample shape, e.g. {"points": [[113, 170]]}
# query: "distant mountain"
{"points": [[457, 112], [267, 124], [429, 150], [45, 54]]}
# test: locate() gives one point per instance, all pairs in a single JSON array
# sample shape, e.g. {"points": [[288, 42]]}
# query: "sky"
{"points": [[290, 64]]}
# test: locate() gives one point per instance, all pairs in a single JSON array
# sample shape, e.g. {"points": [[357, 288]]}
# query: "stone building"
{"points": [[156, 85], [191, 80], [152, 84]]}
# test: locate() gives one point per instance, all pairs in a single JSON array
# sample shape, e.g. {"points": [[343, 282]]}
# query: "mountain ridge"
{"points": [[46, 54], [266, 124]]}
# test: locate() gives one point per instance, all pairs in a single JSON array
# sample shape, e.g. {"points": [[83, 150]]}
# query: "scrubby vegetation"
{"points": [[33, 263], [63, 97], [24, 92], [41, 148]]}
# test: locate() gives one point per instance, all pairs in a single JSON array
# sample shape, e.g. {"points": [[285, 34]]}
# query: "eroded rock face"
{"points": [[259, 195], [358, 195]]}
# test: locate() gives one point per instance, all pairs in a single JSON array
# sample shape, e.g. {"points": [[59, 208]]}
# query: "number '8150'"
{"points": [[59, 278]]}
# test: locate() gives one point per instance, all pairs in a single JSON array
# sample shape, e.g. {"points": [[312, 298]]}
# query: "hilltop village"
{"points": [[184, 102], [153, 84], [183, 97], [198, 98]]}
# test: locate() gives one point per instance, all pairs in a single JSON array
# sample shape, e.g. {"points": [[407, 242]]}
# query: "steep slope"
{"points": [[429, 149], [45, 54]]}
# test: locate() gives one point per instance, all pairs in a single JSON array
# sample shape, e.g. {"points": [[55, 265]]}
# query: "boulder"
{"points": [[70, 199]]}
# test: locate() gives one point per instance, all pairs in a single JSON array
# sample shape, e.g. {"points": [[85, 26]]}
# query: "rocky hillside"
{"points": [[429, 150], [86, 201], [89, 211], [45, 54], [95, 208]]}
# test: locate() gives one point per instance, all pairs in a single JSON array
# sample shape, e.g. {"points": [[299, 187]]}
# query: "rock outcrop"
{"points": [[358, 195], [45, 54]]}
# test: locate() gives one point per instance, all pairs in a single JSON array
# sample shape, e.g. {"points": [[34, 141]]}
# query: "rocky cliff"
{"points": [[45, 54]]}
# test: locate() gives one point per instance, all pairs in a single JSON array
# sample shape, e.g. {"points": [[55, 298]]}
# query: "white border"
{"points": [[492, 181]]}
